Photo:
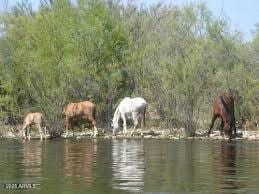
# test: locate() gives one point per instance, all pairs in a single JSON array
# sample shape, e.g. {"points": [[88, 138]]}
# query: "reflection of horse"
{"points": [[128, 164], [32, 158], [32, 119], [228, 164], [129, 108], [79, 162], [223, 107], [81, 110]]}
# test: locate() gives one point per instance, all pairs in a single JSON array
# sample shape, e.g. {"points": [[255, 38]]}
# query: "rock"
{"points": [[170, 133], [148, 136], [10, 134], [176, 138]]}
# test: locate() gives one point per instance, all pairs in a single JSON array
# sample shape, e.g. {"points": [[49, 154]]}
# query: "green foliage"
{"points": [[178, 58]]}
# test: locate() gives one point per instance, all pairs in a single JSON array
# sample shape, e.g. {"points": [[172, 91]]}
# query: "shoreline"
{"points": [[8, 133]]}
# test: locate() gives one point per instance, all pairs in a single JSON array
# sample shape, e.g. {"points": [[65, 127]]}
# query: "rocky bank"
{"points": [[8, 132]]}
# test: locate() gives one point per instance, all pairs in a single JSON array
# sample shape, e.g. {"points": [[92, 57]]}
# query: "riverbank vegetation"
{"points": [[179, 58]]}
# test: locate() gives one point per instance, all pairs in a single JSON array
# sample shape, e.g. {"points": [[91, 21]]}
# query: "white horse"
{"points": [[129, 108]]}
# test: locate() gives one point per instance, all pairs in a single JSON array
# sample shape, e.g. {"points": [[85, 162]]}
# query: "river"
{"points": [[130, 166]]}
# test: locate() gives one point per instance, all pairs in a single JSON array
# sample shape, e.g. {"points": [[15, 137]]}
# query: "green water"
{"points": [[130, 166]]}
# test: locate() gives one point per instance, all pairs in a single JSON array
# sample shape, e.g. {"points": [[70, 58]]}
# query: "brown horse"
{"points": [[223, 107], [36, 119], [81, 110]]}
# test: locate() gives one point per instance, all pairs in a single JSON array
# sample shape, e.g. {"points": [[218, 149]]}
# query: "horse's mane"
{"points": [[116, 113], [117, 106], [117, 103]]}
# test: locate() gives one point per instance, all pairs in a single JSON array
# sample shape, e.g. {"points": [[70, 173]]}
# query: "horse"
{"points": [[129, 108], [223, 107], [36, 119], [80, 110], [249, 124]]}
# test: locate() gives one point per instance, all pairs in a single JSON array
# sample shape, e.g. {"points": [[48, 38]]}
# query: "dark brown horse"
{"points": [[223, 107], [81, 110]]}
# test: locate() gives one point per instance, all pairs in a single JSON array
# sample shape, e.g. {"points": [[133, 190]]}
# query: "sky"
{"points": [[242, 14]]}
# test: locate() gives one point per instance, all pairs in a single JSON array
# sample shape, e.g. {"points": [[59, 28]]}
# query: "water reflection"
{"points": [[128, 164], [132, 165], [227, 165], [79, 162], [32, 158]]}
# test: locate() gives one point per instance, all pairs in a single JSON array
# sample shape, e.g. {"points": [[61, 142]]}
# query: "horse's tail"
{"points": [[44, 125], [94, 113], [144, 117], [43, 122], [225, 104], [230, 109]]}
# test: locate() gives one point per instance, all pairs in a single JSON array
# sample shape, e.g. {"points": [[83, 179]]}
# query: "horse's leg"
{"points": [[212, 124], [67, 123], [245, 126], [40, 131], [92, 120], [123, 116], [95, 130], [72, 126], [29, 132], [135, 121], [221, 127], [45, 132], [113, 132], [228, 129], [24, 131], [234, 126], [143, 118]]}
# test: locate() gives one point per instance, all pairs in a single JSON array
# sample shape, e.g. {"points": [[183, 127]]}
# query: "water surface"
{"points": [[130, 166]]}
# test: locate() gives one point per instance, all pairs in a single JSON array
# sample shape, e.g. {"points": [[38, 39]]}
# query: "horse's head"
{"points": [[17, 130], [114, 125], [227, 129]]}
